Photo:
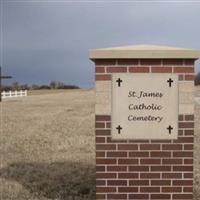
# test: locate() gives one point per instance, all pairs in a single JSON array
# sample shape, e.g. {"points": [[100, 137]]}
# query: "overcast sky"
{"points": [[50, 40]]}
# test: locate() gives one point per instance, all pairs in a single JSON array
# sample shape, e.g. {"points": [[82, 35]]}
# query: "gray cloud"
{"points": [[50, 41]]}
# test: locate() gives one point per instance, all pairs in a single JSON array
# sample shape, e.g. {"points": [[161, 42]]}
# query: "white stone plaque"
{"points": [[144, 106]]}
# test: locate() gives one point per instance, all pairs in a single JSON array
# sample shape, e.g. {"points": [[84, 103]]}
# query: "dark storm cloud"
{"points": [[46, 41]]}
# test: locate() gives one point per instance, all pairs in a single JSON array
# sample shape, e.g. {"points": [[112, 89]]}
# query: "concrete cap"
{"points": [[144, 52]]}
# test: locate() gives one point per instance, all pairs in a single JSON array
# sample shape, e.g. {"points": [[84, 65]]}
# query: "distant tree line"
{"points": [[52, 85]]}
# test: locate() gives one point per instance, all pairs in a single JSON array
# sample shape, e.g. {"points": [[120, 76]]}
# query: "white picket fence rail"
{"points": [[10, 94]]}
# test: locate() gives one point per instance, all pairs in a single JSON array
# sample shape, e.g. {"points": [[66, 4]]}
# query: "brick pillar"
{"points": [[144, 169]]}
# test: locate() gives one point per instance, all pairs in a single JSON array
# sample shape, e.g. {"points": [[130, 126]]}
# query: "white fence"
{"points": [[10, 94]]}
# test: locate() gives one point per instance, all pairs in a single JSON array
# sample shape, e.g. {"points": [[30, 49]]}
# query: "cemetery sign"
{"points": [[144, 106]]}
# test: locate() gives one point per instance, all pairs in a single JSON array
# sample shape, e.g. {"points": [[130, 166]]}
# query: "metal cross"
{"points": [[170, 81], [169, 128], [2, 77], [119, 128], [119, 81]]}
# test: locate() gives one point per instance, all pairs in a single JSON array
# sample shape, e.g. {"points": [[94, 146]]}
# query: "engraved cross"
{"points": [[169, 128], [119, 128], [170, 81], [119, 81]]}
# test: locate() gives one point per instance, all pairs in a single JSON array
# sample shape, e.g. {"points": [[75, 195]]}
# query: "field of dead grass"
{"points": [[47, 147]]}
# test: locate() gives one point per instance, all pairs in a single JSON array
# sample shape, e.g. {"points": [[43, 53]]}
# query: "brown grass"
{"points": [[52, 91], [47, 147]]}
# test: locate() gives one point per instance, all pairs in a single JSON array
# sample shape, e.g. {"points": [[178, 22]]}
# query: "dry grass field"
{"points": [[47, 147]]}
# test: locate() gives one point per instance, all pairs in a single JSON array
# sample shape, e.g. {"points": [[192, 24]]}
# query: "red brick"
{"points": [[127, 161], [182, 168], [182, 182], [117, 182], [128, 175], [100, 196], [106, 161], [105, 175], [105, 189], [105, 61], [184, 140], [188, 147], [173, 161], [127, 147], [186, 124], [160, 182], [188, 161], [160, 196], [180, 118], [99, 69], [150, 62], [161, 69], [188, 189], [139, 196], [189, 117], [138, 168], [149, 175], [172, 175], [149, 147], [128, 61], [100, 168], [160, 141], [189, 77], [180, 77], [160, 154], [172, 146], [173, 62], [189, 132], [150, 161], [117, 154], [108, 125], [127, 189], [188, 175], [138, 141], [104, 77], [183, 70], [105, 147], [100, 139], [100, 154], [100, 182], [180, 132], [182, 196], [183, 154], [116, 69], [139, 69], [116, 168], [117, 196], [110, 140], [189, 61], [139, 182], [171, 189], [149, 189], [102, 132], [160, 168], [102, 118], [139, 154], [99, 125]]}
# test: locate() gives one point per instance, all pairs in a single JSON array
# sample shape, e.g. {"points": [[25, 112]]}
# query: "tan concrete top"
{"points": [[144, 51]]}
